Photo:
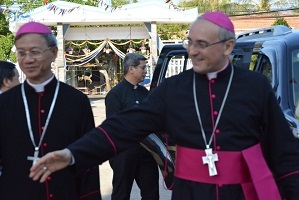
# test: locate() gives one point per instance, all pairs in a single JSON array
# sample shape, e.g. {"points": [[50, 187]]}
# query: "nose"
{"points": [[27, 54], [27, 57]]}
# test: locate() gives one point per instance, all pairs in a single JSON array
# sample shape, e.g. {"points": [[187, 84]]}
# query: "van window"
{"points": [[266, 68], [176, 65], [295, 76]]}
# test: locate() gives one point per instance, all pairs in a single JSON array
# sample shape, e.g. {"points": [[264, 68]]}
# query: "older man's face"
{"points": [[204, 56], [35, 57]]}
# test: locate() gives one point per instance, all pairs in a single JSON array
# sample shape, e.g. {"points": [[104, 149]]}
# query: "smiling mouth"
{"points": [[196, 60]]}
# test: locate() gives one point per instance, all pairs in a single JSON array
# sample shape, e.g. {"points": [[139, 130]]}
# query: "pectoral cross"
{"points": [[35, 157], [210, 159]]}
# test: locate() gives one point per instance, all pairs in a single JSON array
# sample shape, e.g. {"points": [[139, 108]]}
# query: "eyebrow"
{"points": [[33, 48], [198, 40]]}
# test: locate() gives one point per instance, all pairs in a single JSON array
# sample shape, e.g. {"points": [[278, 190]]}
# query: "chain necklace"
{"points": [[36, 147], [210, 158]]}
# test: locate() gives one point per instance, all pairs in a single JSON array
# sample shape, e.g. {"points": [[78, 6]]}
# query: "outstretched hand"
{"points": [[50, 163]]}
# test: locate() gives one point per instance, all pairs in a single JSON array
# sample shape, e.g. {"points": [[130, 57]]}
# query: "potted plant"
{"points": [[70, 50], [143, 49], [131, 50], [107, 50]]}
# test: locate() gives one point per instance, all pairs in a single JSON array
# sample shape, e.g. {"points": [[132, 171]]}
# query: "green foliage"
{"points": [[6, 40], [188, 4], [116, 3], [6, 43], [206, 5], [28, 5], [5, 2], [4, 26], [281, 21], [172, 31], [265, 5]]}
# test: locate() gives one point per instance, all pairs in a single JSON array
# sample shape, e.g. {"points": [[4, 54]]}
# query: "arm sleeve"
{"points": [[112, 104], [122, 130], [280, 147], [89, 178]]}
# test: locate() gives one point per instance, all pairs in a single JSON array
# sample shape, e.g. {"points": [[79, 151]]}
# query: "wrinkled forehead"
{"points": [[30, 40]]}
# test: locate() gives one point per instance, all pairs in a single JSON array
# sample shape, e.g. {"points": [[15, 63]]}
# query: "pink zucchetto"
{"points": [[33, 27], [220, 19]]}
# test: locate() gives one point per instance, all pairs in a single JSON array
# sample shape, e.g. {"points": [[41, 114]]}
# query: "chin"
{"points": [[199, 70]]}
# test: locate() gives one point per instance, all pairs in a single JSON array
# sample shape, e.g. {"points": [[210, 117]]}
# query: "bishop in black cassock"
{"points": [[38, 116], [72, 117]]}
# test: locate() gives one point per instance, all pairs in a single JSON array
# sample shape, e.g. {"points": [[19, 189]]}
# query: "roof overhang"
{"points": [[76, 14]]}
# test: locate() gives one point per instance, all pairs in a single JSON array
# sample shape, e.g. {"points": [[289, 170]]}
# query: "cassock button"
{"points": [[49, 178], [51, 196], [213, 81], [42, 111], [217, 131], [218, 148], [215, 113], [45, 144], [43, 127], [213, 96]]}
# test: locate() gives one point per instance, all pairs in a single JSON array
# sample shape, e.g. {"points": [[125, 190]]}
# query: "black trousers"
{"points": [[135, 164]]}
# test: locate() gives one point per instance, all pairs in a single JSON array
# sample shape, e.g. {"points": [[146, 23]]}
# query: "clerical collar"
{"points": [[0, 92], [130, 84], [40, 87], [213, 75]]}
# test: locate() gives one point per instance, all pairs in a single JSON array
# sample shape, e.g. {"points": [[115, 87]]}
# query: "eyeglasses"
{"points": [[32, 53], [200, 44], [141, 66]]}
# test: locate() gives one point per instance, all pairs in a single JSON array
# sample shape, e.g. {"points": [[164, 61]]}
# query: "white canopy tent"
{"points": [[77, 14], [92, 22]]}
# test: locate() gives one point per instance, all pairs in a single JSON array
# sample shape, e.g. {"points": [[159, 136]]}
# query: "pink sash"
{"points": [[247, 168]]}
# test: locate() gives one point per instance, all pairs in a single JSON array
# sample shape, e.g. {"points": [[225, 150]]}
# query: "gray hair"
{"points": [[132, 59], [225, 34]]}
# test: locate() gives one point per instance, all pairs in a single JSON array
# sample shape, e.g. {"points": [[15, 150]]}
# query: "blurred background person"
{"points": [[136, 163], [9, 76]]}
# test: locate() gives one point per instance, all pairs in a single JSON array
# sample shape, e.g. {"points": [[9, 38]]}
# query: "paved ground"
{"points": [[105, 170]]}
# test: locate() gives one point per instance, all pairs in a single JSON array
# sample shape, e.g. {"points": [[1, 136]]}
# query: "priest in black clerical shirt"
{"points": [[136, 163]]}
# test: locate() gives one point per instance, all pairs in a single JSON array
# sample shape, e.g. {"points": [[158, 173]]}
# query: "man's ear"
{"points": [[54, 50], [6, 82], [130, 68], [229, 46]]}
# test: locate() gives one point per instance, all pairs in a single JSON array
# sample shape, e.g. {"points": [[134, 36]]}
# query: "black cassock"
{"points": [[136, 163], [71, 118], [250, 116]]}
